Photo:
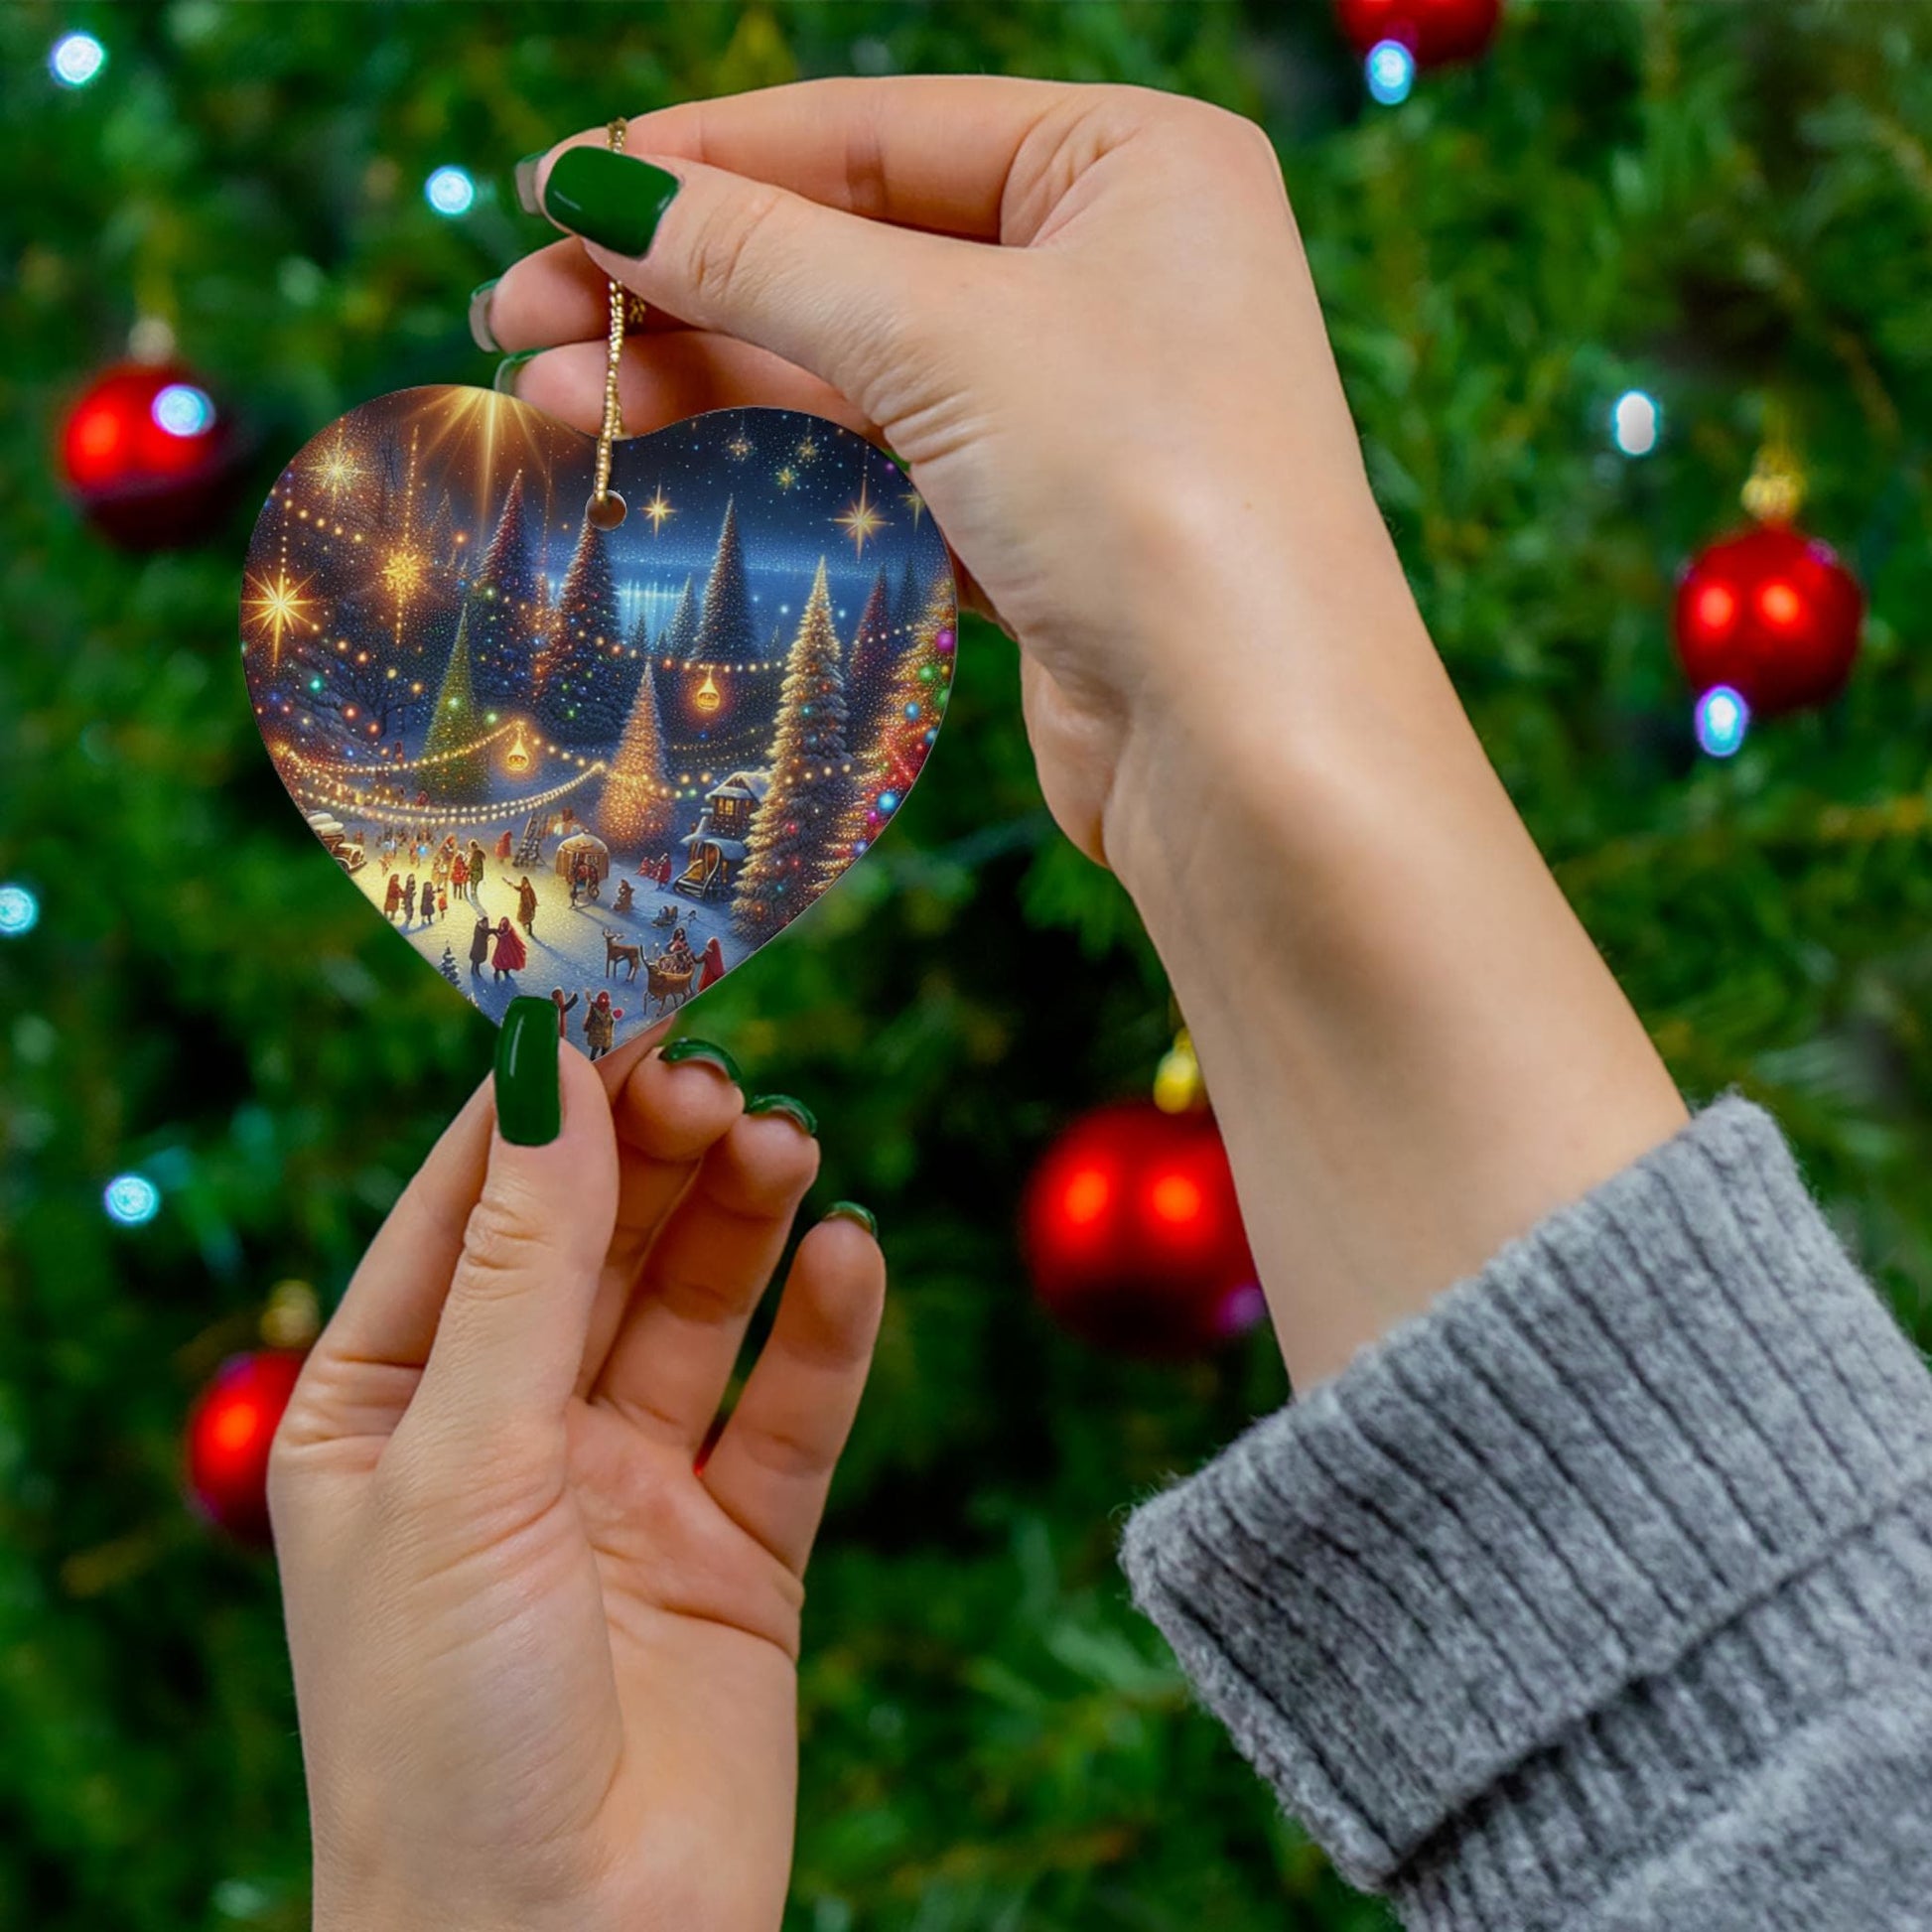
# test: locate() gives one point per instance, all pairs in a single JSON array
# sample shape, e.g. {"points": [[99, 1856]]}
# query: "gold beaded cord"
{"points": [[607, 507]]}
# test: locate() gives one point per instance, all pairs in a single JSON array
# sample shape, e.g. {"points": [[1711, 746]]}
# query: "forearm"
{"points": [[1412, 1047]]}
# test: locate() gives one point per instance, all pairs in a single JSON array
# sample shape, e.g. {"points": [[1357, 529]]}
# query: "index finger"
{"points": [[919, 150]]}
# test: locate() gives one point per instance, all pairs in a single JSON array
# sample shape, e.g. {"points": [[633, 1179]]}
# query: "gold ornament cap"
{"points": [[293, 1317]]}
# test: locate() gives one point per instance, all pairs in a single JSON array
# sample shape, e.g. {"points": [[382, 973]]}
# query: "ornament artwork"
{"points": [[149, 457], [1769, 618], [1134, 1237], [492, 705]]}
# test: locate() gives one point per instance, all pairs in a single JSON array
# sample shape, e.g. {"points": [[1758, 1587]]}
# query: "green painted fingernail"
{"points": [[783, 1103], [613, 200], [480, 330], [687, 1049], [526, 182], [508, 370], [529, 1103], [850, 1210]]}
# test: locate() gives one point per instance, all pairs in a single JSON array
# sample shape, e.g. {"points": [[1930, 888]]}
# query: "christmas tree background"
{"points": [[1726, 206]]}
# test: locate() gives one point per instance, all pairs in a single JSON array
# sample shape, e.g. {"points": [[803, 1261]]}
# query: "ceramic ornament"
{"points": [[596, 746]]}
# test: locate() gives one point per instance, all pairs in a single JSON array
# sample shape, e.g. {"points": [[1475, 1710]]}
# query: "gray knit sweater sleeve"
{"points": [[1599, 1595]]}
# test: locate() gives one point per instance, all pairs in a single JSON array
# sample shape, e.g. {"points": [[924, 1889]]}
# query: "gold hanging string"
{"points": [[607, 507]]}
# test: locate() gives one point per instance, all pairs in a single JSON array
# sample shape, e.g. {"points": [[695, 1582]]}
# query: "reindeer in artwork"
{"points": [[615, 950]]}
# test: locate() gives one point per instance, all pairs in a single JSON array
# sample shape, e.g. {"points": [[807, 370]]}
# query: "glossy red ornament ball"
{"points": [[149, 457], [1433, 31], [230, 1431], [1134, 1237], [1772, 613]]}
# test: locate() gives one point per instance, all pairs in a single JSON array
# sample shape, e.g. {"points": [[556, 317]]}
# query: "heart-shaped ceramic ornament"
{"points": [[601, 760]]}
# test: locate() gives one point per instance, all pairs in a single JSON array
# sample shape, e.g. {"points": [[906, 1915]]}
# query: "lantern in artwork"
{"points": [[517, 758], [707, 697]]}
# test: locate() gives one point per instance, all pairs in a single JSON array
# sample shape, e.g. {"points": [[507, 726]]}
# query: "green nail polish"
{"points": [[783, 1103], [530, 1104], [505, 381], [610, 199], [526, 182], [480, 330], [850, 1210], [687, 1049]]}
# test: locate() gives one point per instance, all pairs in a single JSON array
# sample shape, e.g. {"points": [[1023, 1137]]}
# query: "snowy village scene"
{"points": [[600, 763]]}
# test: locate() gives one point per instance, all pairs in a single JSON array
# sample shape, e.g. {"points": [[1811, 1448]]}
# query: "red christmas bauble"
{"points": [[149, 457], [1134, 1236], [228, 1434], [1772, 613], [1433, 31]]}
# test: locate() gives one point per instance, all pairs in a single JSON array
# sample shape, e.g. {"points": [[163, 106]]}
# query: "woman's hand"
{"points": [[1083, 316], [545, 1667]]}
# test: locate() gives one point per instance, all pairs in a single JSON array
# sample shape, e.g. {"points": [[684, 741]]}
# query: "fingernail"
{"points": [[529, 1105], [526, 182], [480, 330], [613, 200], [508, 370], [688, 1048], [850, 1210], [783, 1103]]}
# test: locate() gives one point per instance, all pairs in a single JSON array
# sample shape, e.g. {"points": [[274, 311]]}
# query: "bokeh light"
{"points": [[1391, 72], [76, 58], [20, 911], [450, 191], [1722, 718], [183, 410], [1636, 423], [132, 1199]]}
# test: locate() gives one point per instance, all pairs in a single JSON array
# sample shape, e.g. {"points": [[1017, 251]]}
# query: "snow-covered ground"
{"points": [[567, 947]]}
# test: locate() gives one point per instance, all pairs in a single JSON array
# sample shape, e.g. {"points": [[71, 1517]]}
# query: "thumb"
{"points": [[510, 1338], [851, 300]]}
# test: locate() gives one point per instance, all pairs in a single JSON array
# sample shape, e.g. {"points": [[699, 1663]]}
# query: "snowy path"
{"points": [[566, 948]]}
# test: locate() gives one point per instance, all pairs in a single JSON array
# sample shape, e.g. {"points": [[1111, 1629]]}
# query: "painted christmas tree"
{"points": [[637, 806], [725, 629], [869, 669], [680, 638], [447, 967], [583, 692], [800, 816], [908, 722], [451, 769], [907, 602], [512, 609]]}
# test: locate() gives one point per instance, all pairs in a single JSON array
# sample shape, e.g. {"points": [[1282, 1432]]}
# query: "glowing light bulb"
{"points": [[1636, 423], [449, 191], [1722, 718], [132, 1199], [20, 911], [183, 410], [76, 60], [1391, 72]]}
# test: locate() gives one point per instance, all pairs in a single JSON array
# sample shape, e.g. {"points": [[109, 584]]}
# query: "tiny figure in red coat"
{"points": [[665, 873], [392, 899], [505, 846], [509, 956], [712, 968]]}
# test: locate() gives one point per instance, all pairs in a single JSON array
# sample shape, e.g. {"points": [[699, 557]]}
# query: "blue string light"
{"points": [[76, 60], [183, 410], [1636, 422], [1722, 718], [20, 911], [1391, 72], [449, 191], [132, 1199]]}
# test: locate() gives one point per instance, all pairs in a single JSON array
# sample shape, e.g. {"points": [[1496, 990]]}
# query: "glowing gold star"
{"points": [[277, 605], [657, 509], [336, 471], [738, 448], [860, 522], [915, 504], [806, 450], [786, 476]]}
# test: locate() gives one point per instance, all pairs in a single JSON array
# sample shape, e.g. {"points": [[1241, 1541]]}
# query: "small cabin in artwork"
{"points": [[715, 847]]}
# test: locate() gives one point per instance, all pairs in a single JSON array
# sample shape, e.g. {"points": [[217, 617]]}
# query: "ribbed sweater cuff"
{"points": [[1565, 1547]]}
